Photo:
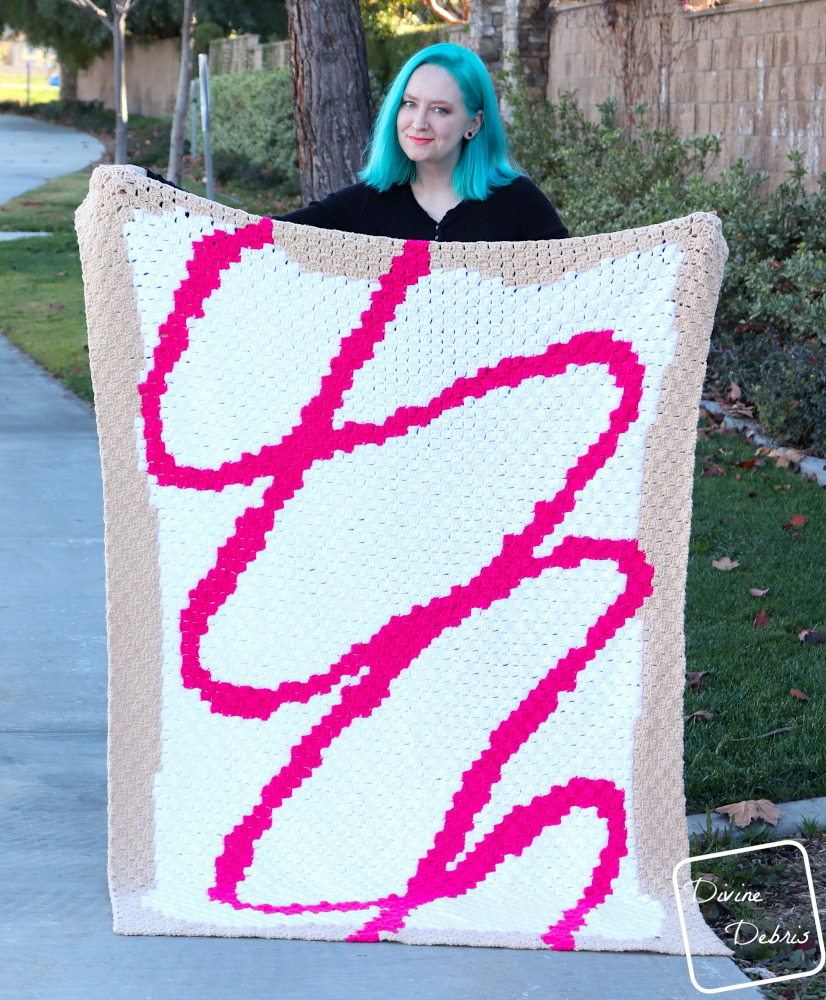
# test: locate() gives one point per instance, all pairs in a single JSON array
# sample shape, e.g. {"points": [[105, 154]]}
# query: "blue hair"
{"points": [[485, 162]]}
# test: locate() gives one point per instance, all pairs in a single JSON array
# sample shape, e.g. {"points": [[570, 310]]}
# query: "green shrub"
{"points": [[770, 328], [253, 129]]}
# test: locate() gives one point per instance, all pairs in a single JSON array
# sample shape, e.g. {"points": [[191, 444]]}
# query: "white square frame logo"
{"points": [[749, 850]]}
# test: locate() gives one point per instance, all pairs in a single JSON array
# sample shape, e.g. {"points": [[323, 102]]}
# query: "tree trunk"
{"points": [[68, 82], [176, 142], [331, 92], [121, 108]]}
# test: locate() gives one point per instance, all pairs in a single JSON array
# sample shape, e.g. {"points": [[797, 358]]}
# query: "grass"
{"points": [[13, 88], [41, 289], [753, 670]]}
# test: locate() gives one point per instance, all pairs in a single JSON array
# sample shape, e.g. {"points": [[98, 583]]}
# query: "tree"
{"points": [[75, 38], [453, 13], [176, 141], [117, 25], [331, 92]]}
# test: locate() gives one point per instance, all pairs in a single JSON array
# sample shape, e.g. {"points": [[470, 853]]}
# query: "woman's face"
{"points": [[433, 119]]}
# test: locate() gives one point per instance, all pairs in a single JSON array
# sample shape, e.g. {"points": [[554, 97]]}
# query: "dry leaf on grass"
{"points": [[724, 563], [757, 593], [799, 694], [699, 714], [742, 813], [696, 678], [810, 637], [798, 520], [734, 393], [761, 619], [714, 470]]}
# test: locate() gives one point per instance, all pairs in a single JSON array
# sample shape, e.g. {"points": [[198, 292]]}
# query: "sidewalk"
{"points": [[55, 919], [32, 152]]}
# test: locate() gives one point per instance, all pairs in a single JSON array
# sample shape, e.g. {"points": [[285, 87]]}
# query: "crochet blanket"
{"points": [[396, 541]]}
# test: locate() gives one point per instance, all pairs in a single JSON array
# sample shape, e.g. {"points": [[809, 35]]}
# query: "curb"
{"points": [[792, 815], [808, 466]]}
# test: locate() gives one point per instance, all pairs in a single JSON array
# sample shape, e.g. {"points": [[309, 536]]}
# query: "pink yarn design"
{"points": [[397, 644]]}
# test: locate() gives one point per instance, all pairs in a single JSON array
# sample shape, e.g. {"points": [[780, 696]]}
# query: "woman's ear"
{"points": [[475, 125]]}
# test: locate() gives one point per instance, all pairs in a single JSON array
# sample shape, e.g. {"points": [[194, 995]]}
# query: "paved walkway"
{"points": [[55, 918], [32, 152]]}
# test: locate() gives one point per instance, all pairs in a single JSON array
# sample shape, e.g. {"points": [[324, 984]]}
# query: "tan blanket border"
{"points": [[132, 584]]}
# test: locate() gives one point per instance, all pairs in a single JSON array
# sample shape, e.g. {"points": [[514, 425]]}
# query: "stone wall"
{"points": [[754, 71], [499, 28], [151, 78]]}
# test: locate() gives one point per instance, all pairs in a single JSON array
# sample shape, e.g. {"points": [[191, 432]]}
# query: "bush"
{"points": [[770, 329], [253, 130]]}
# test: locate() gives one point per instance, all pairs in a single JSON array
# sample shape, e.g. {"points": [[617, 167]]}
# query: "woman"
{"points": [[439, 166]]}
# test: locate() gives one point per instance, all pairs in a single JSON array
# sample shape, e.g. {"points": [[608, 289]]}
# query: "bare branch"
{"points": [[448, 14], [92, 8]]}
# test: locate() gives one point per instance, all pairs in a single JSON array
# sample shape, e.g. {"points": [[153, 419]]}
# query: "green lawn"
{"points": [[13, 88], [41, 290], [752, 671]]}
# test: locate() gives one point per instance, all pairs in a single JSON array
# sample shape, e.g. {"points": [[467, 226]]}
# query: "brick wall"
{"points": [[753, 71]]}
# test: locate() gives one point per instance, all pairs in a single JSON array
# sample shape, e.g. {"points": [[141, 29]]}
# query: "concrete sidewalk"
{"points": [[55, 919], [32, 152]]}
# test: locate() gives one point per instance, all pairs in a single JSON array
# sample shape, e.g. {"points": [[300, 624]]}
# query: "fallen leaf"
{"points": [[752, 493], [724, 522], [761, 619], [701, 714], [734, 393], [799, 694], [797, 534], [798, 520], [763, 450], [61, 274], [695, 678], [810, 637], [32, 202], [794, 456], [56, 305], [747, 464], [782, 463], [760, 462], [736, 475], [786, 487], [742, 813], [725, 563], [757, 593], [714, 470]]}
